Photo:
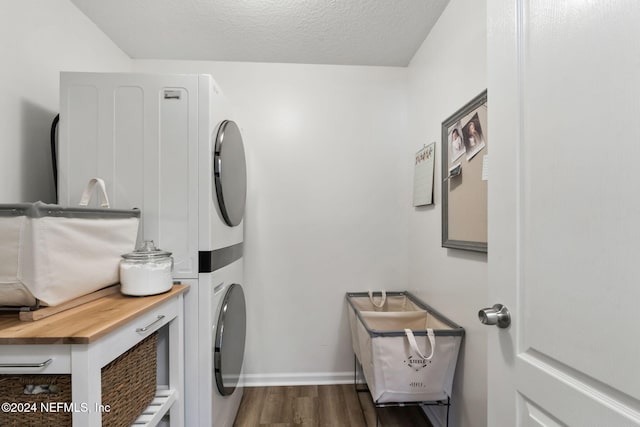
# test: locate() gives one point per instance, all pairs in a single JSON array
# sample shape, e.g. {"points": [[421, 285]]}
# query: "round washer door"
{"points": [[229, 340], [230, 172]]}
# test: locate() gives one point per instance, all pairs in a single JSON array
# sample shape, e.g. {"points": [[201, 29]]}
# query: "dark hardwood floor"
{"points": [[321, 406]]}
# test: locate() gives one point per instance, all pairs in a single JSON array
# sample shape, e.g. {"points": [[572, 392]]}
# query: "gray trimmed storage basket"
{"points": [[396, 369], [51, 254]]}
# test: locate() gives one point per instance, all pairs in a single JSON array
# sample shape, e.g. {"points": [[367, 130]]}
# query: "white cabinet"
{"points": [[83, 340]]}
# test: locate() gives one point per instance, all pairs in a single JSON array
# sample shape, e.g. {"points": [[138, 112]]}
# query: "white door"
{"points": [[564, 212]]}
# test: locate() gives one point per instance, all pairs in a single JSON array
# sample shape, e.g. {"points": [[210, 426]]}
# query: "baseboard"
{"points": [[304, 378]]}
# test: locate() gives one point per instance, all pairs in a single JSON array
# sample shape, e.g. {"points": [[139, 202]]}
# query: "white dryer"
{"points": [[154, 139], [167, 144]]}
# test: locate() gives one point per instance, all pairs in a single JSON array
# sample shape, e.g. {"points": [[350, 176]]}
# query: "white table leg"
{"points": [[86, 387], [176, 364]]}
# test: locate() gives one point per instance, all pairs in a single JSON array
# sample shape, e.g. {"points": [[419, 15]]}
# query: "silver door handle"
{"points": [[497, 315]]}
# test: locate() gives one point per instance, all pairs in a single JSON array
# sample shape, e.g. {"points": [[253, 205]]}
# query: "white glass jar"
{"points": [[146, 271]]}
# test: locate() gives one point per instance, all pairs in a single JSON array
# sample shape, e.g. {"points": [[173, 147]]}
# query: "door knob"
{"points": [[497, 315]]}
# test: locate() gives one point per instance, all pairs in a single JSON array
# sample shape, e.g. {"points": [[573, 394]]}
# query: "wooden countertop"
{"points": [[83, 324]]}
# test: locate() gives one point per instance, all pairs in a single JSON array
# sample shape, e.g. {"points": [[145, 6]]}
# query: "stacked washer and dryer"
{"points": [[168, 145]]}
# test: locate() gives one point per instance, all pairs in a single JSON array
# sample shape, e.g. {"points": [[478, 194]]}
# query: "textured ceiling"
{"points": [[349, 32]]}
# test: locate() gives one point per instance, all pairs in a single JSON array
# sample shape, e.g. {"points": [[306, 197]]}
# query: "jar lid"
{"points": [[147, 250]]}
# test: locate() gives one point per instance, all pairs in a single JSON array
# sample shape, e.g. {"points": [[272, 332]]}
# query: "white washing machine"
{"points": [[167, 144], [220, 345]]}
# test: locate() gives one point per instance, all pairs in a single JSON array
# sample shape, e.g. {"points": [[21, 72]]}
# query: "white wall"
{"points": [[40, 38], [447, 72], [326, 205]]}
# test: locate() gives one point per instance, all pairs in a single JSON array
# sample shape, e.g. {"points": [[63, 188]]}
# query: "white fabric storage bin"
{"points": [[395, 368], [12, 291], [55, 254]]}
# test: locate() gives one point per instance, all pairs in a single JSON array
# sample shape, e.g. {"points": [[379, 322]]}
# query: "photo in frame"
{"points": [[465, 148]]}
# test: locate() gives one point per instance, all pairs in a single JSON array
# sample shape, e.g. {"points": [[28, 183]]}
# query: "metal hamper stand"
{"points": [[376, 405]]}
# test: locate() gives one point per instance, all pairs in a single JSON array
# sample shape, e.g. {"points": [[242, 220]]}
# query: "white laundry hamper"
{"points": [[408, 351], [51, 254]]}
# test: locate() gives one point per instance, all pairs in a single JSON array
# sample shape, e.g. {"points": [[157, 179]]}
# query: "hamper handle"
{"points": [[382, 301], [88, 192], [414, 344]]}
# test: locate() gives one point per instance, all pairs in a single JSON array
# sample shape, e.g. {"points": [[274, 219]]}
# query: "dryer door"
{"points": [[229, 340], [230, 173]]}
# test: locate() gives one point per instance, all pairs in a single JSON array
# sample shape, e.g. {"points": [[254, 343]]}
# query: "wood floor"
{"points": [[321, 406]]}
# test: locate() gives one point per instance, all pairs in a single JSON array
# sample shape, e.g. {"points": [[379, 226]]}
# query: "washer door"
{"points": [[230, 173], [229, 340]]}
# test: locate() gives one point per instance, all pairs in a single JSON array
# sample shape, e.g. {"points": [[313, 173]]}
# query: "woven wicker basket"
{"points": [[12, 391], [128, 386], [129, 383]]}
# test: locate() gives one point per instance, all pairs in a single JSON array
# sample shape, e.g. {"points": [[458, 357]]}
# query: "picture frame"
{"points": [[465, 147]]}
